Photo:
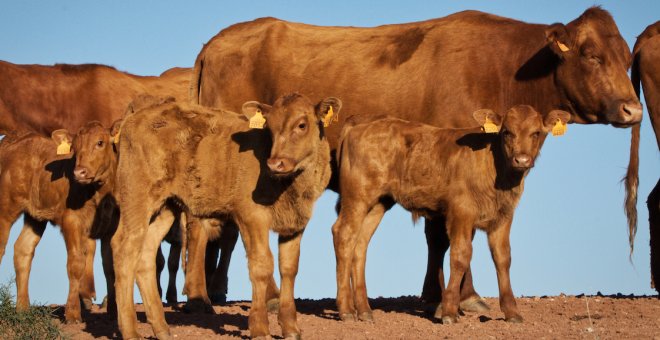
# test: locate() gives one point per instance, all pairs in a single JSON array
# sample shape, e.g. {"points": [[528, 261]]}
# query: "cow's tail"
{"points": [[632, 175], [196, 79]]}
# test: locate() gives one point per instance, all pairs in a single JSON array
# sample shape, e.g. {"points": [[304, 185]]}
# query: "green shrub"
{"points": [[36, 323]]}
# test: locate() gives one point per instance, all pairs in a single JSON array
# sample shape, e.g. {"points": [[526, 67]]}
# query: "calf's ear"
{"points": [[63, 139], [490, 121], [256, 113], [115, 129], [556, 121], [557, 37], [328, 109]]}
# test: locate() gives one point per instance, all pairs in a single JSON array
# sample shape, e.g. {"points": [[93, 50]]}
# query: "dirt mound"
{"points": [[557, 317]]}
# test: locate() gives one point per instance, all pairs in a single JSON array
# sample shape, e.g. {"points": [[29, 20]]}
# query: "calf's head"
{"points": [[296, 128], [94, 150], [592, 69], [522, 131]]}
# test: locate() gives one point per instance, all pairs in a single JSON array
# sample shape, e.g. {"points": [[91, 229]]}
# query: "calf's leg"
{"points": [[76, 243], [109, 272], [146, 273], [219, 280], [87, 288], [23, 254], [500, 248], [364, 234], [195, 282], [172, 269], [459, 226], [289, 256]]}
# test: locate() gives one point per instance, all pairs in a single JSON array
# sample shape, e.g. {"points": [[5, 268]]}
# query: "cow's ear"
{"points": [[256, 113], [115, 129], [557, 37], [556, 121], [63, 139], [328, 109], [489, 120]]}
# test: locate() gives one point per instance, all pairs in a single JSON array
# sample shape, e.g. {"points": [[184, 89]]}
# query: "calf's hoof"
{"points": [[366, 316], [73, 321], [474, 304], [514, 319], [104, 303], [295, 336], [198, 306], [448, 320], [87, 303], [165, 335], [347, 316], [273, 305]]}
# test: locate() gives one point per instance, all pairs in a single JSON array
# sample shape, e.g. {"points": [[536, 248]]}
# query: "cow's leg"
{"points": [[9, 213], [369, 226], [227, 242], [76, 242], [437, 242], [289, 256], [211, 264], [109, 272], [459, 226], [160, 265], [126, 248], [254, 227], [87, 289], [344, 235], [500, 248], [195, 286], [653, 204], [23, 254], [172, 269], [146, 273]]}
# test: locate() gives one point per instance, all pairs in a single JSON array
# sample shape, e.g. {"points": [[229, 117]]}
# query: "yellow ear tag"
{"points": [[115, 139], [257, 121], [490, 127], [559, 128], [330, 117], [64, 148], [562, 47]]}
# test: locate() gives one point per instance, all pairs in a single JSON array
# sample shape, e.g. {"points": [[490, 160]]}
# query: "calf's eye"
{"points": [[99, 143], [302, 126]]}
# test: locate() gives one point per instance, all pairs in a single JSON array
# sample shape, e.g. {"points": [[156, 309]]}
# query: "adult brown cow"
{"points": [[437, 72], [646, 69], [46, 98]]}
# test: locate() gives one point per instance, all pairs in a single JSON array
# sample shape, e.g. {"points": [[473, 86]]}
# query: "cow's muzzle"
{"points": [[281, 166], [625, 113], [82, 175], [522, 162]]}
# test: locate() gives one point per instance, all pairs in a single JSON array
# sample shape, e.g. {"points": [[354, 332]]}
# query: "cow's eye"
{"points": [[535, 135], [302, 126], [507, 134], [595, 60], [99, 143]]}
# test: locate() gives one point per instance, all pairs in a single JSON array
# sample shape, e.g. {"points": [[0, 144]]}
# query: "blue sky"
{"points": [[569, 233]]}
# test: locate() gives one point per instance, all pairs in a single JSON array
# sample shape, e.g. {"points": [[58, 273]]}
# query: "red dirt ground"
{"points": [[558, 317]]}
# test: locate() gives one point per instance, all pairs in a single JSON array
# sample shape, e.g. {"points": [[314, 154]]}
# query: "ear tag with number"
{"points": [[64, 148], [330, 117], [490, 127], [562, 47], [559, 128], [257, 121]]}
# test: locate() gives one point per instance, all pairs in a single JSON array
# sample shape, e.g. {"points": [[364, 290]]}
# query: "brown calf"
{"points": [[74, 193], [472, 178], [215, 166]]}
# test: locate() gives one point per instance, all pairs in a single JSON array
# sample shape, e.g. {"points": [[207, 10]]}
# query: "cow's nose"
{"points": [[80, 172], [279, 165], [632, 112], [522, 161]]}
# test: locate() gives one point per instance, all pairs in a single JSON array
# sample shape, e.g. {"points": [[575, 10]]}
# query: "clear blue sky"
{"points": [[569, 233]]}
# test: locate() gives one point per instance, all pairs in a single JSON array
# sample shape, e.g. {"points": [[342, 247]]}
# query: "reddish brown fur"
{"points": [[646, 70], [45, 98], [263, 179], [472, 178], [436, 72], [46, 188]]}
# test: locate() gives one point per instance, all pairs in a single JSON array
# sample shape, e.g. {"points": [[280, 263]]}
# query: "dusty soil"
{"points": [[557, 317]]}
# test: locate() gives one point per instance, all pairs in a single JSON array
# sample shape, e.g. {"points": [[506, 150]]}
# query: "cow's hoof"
{"points": [[273, 305], [73, 321], [218, 298], [448, 320], [164, 335], [514, 319], [366, 316], [474, 304], [104, 303], [347, 316], [87, 303], [295, 336], [197, 306]]}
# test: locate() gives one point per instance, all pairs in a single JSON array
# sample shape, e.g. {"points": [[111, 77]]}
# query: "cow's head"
{"points": [[296, 127], [94, 150], [592, 71], [522, 131]]}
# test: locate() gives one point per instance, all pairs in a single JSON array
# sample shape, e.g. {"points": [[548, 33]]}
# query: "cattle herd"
{"points": [[133, 160]]}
